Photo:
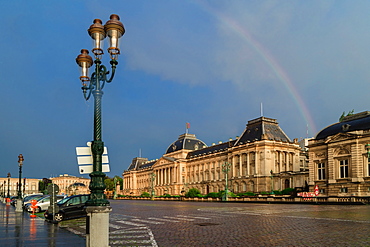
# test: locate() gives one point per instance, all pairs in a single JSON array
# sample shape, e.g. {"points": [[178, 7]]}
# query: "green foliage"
{"points": [[249, 193], [213, 195], [288, 191], [344, 115], [120, 180], [168, 196], [277, 192], [222, 193], [193, 192], [265, 193], [145, 194], [109, 182], [109, 185]]}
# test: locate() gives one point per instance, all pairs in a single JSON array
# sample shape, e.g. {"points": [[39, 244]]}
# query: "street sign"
{"points": [[53, 189], [87, 151], [85, 159], [89, 169], [306, 194], [316, 190]]}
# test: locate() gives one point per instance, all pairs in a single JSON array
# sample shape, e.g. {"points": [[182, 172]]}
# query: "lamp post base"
{"points": [[97, 226], [18, 207]]}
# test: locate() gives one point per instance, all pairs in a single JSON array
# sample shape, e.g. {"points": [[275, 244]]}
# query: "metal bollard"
{"points": [[33, 203]]}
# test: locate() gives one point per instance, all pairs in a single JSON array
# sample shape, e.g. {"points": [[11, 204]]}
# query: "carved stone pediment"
{"points": [[340, 137], [342, 150]]}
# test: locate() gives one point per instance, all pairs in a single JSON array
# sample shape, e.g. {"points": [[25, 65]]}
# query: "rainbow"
{"points": [[269, 60]]}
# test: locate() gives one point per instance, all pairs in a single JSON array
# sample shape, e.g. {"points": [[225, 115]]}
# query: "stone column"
{"points": [[97, 225], [240, 165], [233, 165], [248, 165]]}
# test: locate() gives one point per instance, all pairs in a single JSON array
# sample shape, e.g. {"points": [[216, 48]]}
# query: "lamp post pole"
{"points": [[4, 195], [152, 177], [115, 181], [226, 169], [19, 199], [8, 196], [97, 224], [20, 162]]}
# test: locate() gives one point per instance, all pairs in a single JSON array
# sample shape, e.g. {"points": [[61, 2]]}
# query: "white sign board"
{"points": [[85, 160], [87, 151], [89, 169]]}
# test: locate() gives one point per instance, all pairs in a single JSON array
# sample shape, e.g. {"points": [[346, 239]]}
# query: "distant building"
{"points": [[262, 159], [339, 161], [72, 185], [29, 186]]}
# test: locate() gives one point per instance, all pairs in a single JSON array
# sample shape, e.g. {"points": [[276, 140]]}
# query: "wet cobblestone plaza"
{"points": [[166, 223]]}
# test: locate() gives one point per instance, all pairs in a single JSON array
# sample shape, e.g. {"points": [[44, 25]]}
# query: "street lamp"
{"points": [[152, 175], [8, 184], [4, 189], [19, 198], [226, 169], [114, 29], [20, 162]]}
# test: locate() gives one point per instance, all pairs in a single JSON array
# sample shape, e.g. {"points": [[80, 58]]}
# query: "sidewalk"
{"points": [[19, 229]]}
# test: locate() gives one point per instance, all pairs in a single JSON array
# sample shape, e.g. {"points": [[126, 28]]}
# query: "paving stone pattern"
{"points": [[161, 223]]}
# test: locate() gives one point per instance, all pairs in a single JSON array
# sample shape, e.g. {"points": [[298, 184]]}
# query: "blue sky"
{"points": [[209, 63]]}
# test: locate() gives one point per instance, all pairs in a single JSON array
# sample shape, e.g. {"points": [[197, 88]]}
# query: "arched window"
{"points": [[251, 186], [286, 184], [244, 187]]}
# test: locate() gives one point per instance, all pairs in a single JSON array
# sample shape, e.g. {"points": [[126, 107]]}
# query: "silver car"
{"points": [[42, 203]]}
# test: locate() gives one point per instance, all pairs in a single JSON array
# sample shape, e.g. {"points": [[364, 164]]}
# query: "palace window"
{"points": [[321, 171], [343, 169], [344, 190]]}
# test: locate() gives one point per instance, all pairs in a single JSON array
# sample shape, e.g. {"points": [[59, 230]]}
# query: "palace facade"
{"points": [[72, 185], [29, 186], [339, 157], [262, 159]]}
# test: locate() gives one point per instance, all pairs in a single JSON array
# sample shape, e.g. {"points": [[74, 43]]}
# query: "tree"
{"points": [[109, 185], [120, 180], [193, 192]]}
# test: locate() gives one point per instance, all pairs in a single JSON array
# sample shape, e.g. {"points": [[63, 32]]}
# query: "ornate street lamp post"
{"points": [[19, 199], [152, 177], [4, 189], [226, 169], [20, 162], [114, 29], [8, 196]]}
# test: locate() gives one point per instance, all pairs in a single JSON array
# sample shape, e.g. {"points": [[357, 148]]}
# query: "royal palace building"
{"points": [[262, 159], [339, 160]]}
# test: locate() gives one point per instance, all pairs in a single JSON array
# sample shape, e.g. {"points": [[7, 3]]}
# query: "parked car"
{"points": [[69, 208], [28, 199], [13, 200], [42, 203]]}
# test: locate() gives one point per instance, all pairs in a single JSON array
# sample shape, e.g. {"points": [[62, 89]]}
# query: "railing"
{"points": [[265, 199]]}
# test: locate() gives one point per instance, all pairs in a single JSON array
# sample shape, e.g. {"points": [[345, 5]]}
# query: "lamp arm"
{"points": [[114, 63], [90, 87]]}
